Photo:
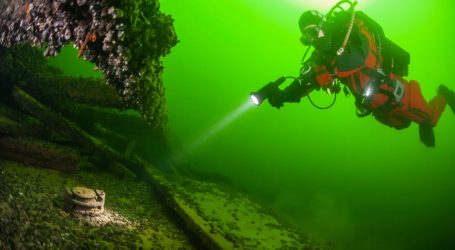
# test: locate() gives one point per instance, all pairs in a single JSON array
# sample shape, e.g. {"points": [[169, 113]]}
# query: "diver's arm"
{"points": [[299, 88]]}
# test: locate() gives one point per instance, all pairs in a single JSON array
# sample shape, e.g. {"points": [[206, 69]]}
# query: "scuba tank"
{"points": [[395, 59]]}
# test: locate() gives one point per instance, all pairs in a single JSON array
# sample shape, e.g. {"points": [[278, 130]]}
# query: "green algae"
{"points": [[31, 196]]}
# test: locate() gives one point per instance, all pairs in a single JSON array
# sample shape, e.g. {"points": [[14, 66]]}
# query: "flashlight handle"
{"points": [[279, 81], [272, 85]]}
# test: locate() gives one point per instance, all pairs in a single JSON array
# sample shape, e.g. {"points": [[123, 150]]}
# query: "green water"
{"points": [[350, 181]]}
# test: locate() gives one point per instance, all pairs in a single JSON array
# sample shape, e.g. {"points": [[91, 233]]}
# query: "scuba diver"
{"points": [[351, 49]]}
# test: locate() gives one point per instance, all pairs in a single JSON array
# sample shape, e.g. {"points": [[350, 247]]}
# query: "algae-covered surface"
{"points": [[32, 215], [232, 220], [203, 215]]}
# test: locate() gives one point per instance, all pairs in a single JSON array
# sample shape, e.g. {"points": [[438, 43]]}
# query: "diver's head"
{"points": [[312, 24]]}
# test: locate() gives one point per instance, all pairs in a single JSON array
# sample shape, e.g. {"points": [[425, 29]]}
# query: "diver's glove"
{"points": [[276, 98], [294, 92]]}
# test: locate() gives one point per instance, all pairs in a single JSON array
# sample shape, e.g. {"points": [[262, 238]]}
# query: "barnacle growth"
{"points": [[124, 39]]}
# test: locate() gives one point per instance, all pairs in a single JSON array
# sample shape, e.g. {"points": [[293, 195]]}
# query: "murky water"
{"points": [[351, 181]]}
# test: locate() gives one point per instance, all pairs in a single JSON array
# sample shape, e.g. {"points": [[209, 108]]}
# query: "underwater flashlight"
{"points": [[261, 95], [256, 99]]}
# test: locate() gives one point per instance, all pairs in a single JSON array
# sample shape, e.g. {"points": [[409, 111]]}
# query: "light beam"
{"points": [[214, 130]]}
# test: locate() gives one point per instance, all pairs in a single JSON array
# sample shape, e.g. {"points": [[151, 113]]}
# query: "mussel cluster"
{"points": [[124, 39]]}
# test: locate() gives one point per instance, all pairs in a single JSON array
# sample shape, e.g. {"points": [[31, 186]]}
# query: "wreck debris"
{"points": [[218, 219], [123, 32], [70, 130], [34, 217], [17, 124], [39, 153], [85, 201], [124, 39]]}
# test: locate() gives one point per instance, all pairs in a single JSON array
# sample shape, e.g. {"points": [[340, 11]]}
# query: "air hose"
{"points": [[340, 51]]}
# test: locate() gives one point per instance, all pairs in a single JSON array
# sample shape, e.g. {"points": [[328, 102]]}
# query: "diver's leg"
{"points": [[448, 95], [421, 111], [393, 121], [426, 114]]}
